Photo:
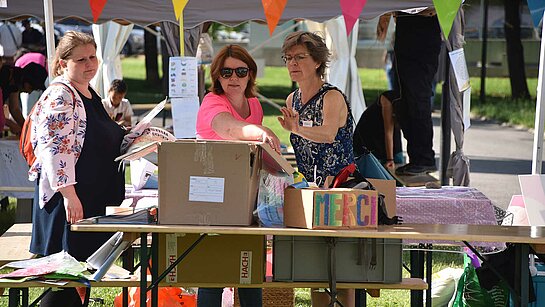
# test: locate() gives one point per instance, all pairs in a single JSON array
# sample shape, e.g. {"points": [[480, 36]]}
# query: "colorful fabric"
{"points": [[328, 158], [57, 135], [213, 105]]}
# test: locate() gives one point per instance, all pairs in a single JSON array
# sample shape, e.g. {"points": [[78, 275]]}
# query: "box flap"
{"points": [[275, 161], [139, 152]]}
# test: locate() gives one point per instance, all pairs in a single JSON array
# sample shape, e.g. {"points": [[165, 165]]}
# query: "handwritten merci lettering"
{"points": [[345, 209]]}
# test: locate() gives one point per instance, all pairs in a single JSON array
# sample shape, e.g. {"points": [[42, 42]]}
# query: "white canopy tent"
{"points": [[110, 38]]}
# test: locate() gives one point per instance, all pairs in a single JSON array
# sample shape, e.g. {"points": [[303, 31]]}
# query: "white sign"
{"points": [[458, 60], [3, 3], [184, 116], [466, 99], [182, 77], [245, 267], [206, 189]]}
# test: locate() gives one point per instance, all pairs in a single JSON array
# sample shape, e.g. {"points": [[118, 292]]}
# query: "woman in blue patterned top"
{"points": [[318, 116]]}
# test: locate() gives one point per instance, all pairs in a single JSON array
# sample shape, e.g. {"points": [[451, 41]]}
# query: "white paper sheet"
{"points": [[3, 3], [182, 77], [466, 99], [184, 116], [458, 60], [206, 189]]}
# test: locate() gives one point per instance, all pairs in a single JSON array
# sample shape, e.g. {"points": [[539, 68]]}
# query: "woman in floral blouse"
{"points": [[75, 143]]}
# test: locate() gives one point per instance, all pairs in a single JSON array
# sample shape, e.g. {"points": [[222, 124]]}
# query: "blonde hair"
{"points": [[67, 43]]}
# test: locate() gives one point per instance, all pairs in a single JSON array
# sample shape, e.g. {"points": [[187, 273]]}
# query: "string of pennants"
{"points": [[351, 10]]}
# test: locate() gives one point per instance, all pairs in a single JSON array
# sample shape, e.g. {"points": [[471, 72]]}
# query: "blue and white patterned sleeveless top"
{"points": [[329, 158]]}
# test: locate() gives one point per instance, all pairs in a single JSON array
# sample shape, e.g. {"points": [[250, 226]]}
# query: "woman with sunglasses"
{"points": [[232, 112], [318, 116]]}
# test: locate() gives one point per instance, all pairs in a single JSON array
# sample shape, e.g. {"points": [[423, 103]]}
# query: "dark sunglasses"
{"points": [[228, 72]]}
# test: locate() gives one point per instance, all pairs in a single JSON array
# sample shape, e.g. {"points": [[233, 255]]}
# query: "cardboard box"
{"points": [[234, 259], [337, 208], [330, 208], [203, 182]]}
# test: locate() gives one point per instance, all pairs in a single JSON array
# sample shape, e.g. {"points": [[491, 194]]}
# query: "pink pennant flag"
{"points": [[351, 10], [96, 8], [273, 11]]}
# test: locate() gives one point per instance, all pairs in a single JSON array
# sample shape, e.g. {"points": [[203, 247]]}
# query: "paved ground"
{"points": [[497, 153]]}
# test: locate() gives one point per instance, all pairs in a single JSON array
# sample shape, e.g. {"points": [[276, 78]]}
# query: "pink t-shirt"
{"points": [[31, 57], [214, 104]]}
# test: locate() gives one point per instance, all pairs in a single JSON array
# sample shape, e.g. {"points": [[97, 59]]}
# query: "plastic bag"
{"points": [[270, 198], [168, 297], [470, 293]]}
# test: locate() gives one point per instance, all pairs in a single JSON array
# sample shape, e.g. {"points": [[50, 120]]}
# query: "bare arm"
{"points": [[15, 108], [72, 204], [334, 117], [226, 126], [387, 117]]}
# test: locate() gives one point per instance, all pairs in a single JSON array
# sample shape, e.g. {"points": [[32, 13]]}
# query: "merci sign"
{"points": [[333, 208]]}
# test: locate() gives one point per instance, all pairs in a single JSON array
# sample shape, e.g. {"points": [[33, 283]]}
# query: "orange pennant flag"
{"points": [[273, 11], [96, 8], [179, 6], [351, 10]]}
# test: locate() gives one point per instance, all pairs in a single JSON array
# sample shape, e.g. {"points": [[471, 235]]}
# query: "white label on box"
{"points": [[245, 267], [206, 189], [171, 254]]}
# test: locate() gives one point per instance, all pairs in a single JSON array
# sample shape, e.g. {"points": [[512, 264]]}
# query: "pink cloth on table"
{"points": [[448, 205], [214, 104], [31, 57]]}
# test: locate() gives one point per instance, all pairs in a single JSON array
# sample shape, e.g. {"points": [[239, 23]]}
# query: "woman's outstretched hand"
{"points": [[289, 119], [270, 138]]}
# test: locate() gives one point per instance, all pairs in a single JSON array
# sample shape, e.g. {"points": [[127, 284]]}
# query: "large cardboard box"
{"points": [[337, 208], [203, 182], [234, 259]]}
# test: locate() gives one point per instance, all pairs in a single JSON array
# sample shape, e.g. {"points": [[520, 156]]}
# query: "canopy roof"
{"points": [[232, 12]]}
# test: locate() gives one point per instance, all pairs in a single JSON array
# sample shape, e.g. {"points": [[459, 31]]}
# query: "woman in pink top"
{"points": [[231, 111]]}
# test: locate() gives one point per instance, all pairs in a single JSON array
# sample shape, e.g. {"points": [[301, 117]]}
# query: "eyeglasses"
{"points": [[297, 57], [241, 72]]}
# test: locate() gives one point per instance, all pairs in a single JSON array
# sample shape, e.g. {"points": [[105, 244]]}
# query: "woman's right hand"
{"points": [[270, 138], [72, 204]]}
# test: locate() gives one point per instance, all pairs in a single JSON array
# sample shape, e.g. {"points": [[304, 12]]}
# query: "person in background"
{"points": [[11, 39], [75, 144], [13, 81], [117, 106], [319, 118], [232, 112], [32, 38], [22, 59], [377, 132]]}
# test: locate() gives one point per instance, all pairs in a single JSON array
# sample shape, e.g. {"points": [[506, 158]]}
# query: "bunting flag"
{"points": [[536, 10], [273, 11], [96, 8], [351, 10], [446, 12], [179, 6]]}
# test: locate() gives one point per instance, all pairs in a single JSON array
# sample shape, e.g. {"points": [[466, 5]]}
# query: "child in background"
{"points": [[115, 104]]}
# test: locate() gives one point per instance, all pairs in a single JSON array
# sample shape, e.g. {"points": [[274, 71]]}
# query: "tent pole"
{"points": [[49, 35], [445, 123], [484, 43], [537, 152]]}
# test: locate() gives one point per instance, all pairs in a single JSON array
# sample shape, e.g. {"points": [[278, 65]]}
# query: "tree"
{"points": [[150, 51], [515, 57]]}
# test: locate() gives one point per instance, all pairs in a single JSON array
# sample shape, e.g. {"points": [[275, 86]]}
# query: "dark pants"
{"points": [[211, 297], [67, 297], [417, 46]]}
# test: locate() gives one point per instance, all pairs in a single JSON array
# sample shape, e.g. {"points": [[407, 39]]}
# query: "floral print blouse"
{"points": [[57, 135]]}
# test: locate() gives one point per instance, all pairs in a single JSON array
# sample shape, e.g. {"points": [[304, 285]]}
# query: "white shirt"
{"points": [[118, 113], [8, 43]]}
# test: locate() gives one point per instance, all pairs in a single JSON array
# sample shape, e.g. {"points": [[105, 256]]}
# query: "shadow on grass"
{"points": [[141, 91]]}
